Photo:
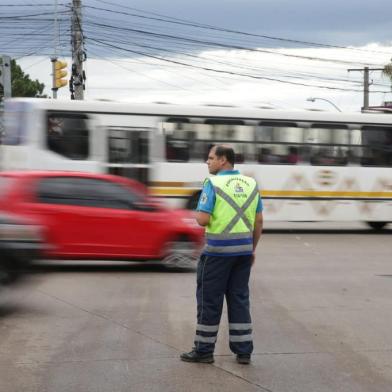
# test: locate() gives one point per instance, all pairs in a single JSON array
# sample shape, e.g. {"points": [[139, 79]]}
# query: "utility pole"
{"points": [[53, 59], [366, 83], [54, 88], [5, 75], [78, 76]]}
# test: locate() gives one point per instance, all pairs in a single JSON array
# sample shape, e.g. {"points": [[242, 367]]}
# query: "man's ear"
{"points": [[223, 160]]}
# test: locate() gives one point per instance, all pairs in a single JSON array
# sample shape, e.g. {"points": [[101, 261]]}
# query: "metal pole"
{"points": [[366, 88], [5, 77], [53, 59], [77, 79], [366, 83], [54, 88], [312, 99], [56, 31]]}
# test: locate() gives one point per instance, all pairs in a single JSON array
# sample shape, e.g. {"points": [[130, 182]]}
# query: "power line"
{"points": [[29, 5], [167, 19], [221, 45], [150, 44], [222, 71], [294, 76], [31, 15]]}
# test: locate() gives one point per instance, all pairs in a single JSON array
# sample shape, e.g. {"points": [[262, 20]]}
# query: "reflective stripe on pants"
{"points": [[218, 277]]}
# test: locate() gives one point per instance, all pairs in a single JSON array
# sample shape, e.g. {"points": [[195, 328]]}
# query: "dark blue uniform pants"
{"points": [[218, 277]]}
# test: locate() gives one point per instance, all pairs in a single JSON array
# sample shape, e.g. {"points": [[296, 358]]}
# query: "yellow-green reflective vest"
{"points": [[230, 230]]}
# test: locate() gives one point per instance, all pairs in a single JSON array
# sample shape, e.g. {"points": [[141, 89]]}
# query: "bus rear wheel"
{"points": [[377, 225]]}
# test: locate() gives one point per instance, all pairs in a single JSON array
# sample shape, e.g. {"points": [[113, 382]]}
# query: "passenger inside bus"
{"points": [[292, 157]]}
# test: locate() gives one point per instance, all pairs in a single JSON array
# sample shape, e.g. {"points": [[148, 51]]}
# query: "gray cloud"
{"points": [[348, 22]]}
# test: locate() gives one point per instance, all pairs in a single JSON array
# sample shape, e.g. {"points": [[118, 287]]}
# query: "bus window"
{"points": [[376, 146], [355, 153], [177, 139], [328, 144], [137, 173], [127, 145], [278, 143], [177, 143], [235, 133], [15, 124], [67, 134], [192, 141]]}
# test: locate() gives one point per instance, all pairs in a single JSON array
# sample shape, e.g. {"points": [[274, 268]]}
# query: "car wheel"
{"points": [[377, 225], [7, 274], [180, 253], [4, 275]]}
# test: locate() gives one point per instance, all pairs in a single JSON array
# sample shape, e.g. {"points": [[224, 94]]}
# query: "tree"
{"points": [[388, 70], [22, 85]]}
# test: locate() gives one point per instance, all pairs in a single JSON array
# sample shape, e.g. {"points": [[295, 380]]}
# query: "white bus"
{"points": [[310, 166]]}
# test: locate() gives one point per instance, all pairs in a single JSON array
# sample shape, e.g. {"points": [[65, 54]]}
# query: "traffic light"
{"points": [[59, 74]]}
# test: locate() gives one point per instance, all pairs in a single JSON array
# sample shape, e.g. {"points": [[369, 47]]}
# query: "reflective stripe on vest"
{"points": [[228, 240], [240, 210]]}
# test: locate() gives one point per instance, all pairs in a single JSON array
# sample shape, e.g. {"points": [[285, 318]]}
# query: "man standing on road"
{"points": [[230, 208]]}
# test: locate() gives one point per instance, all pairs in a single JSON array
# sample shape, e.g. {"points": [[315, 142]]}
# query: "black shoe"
{"points": [[195, 356], [243, 359]]}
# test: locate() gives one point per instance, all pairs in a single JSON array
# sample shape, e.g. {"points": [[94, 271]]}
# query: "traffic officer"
{"points": [[230, 208]]}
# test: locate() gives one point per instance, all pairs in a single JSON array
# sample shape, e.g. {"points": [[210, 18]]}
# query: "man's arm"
{"points": [[206, 204], [257, 232], [202, 218]]}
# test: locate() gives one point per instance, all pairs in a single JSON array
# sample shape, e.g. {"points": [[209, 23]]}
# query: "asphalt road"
{"points": [[322, 316]]}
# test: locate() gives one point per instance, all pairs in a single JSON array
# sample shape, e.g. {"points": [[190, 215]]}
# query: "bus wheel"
{"points": [[377, 225], [191, 203]]}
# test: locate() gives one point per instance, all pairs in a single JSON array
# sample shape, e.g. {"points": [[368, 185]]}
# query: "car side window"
{"points": [[87, 192]]}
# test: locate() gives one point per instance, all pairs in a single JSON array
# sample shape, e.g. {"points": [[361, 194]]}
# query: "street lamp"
{"points": [[313, 99]]}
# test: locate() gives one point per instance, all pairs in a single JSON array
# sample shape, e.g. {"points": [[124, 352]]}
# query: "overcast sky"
{"points": [[173, 62], [343, 22]]}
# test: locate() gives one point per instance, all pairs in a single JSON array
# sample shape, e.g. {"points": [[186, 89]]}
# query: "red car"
{"points": [[96, 216], [20, 243]]}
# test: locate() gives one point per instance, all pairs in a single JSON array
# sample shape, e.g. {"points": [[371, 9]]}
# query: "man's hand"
{"points": [[257, 233], [202, 218], [253, 259]]}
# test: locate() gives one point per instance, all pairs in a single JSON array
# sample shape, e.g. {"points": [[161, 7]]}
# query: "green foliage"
{"points": [[22, 85], [388, 70]]}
